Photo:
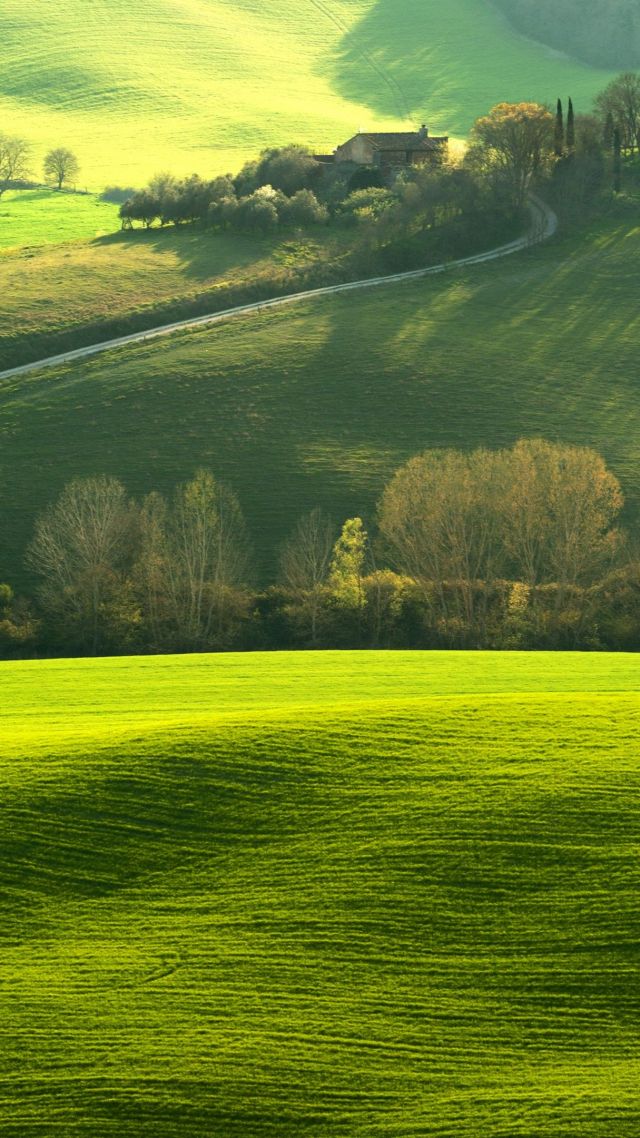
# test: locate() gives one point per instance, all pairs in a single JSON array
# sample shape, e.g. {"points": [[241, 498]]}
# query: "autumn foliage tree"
{"points": [[512, 144]]}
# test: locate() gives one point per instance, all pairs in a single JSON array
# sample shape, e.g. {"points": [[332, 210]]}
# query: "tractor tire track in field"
{"points": [[394, 87], [544, 226]]}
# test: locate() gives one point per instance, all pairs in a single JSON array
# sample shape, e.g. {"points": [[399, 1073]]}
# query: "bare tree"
{"points": [[195, 560], [60, 166], [621, 101], [81, 549], [14, 160], [305, 563]]}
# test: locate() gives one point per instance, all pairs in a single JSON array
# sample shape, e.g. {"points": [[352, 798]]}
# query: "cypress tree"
{"points": [[609, 131], [571, 129], [558, 137], [617, 161]]}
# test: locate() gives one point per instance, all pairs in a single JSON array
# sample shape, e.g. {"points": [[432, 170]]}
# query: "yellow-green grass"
{"points": [[205, 84], [326, 895], [69, 295], [44, 217], [317, 404]]}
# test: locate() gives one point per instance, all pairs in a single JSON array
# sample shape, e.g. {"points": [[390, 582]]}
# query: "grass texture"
{"points": [[320, 894], [205, 84], [82, 292], [44, 217], [318, 404]]}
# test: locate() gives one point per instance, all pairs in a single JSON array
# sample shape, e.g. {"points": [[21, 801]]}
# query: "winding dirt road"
{"points": [[544, 225]]}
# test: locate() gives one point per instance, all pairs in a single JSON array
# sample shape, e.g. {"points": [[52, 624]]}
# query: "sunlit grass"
{"points": [[341, 894], [204, 84], [44, 217]]}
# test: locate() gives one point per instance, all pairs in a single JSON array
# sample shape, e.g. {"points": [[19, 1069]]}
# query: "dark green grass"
{"points": [[410, 918], [317, 404]]}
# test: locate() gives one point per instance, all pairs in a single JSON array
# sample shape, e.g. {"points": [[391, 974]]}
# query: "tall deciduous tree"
{"points": [[81, 551], [513, 142], [304, 566], [194, 561], [621, 101], [60, 166], [348, 565]]}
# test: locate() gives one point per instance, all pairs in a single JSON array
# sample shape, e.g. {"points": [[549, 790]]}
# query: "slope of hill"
{"points": [[204, 84], [605, 33], [317, 404], [266, 897]]}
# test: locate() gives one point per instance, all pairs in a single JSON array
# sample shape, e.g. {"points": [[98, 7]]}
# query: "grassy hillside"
{"points": [[317, 404], [82, 292], [264, 896], [43, 217], [204, 84]]}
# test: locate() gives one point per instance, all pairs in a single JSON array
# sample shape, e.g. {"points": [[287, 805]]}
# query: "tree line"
{"points": [[515, 548]]}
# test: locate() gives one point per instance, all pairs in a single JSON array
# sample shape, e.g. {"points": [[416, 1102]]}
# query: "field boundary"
{"points": [[543, 226]]}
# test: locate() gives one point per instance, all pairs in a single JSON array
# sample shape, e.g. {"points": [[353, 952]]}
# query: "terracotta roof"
{"points": [[403, 140]]}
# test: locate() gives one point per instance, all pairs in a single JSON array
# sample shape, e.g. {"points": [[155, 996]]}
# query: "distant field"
{"points": [[270, 896], [317, 404], [204, 84], [43, 217]]}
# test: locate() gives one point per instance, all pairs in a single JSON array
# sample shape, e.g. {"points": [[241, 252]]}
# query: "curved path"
{"points": [[544, 225]]}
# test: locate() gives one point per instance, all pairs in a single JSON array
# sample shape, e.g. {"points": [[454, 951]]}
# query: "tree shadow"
{"points": [[445, 64]]}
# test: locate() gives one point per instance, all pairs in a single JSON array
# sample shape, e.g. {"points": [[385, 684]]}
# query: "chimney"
{"points": [[424, 131]]}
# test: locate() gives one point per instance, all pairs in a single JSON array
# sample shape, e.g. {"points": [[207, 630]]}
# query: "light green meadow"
{"points": [[205, 84], [321, 895]]}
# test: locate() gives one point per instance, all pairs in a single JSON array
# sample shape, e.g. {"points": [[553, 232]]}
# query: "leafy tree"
{"points": [[348, 565], [60, 166], [303, 209], [14, 160], [512, 143], [289, 169], [617, 161]]}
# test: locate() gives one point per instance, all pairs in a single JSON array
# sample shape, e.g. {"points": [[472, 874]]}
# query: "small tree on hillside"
{"points": [[14, 159], [60, 166]]}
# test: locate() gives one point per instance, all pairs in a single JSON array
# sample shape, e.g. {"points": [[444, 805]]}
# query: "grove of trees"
{"points": [[519, 547]]}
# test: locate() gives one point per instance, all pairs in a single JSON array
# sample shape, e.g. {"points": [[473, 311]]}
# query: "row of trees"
{"points": [[60, 164], [510, 548]]}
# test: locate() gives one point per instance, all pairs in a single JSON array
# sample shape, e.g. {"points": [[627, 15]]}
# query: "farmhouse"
{"points": [[392, 149]]}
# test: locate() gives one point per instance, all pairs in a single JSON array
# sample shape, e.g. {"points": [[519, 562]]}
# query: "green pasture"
{"points": [[45, 217], [84, 291], [205, 84], [318, 403], [326, 895]]}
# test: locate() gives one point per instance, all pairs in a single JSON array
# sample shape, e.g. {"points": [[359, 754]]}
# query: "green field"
{"points": [[44, 217], [81, 292], [204, 84], [322, 895], [318, 404]]}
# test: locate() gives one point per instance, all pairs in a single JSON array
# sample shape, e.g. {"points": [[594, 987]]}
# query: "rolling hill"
{"points": [[205, 84], [268, 896], [319, 403]]}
